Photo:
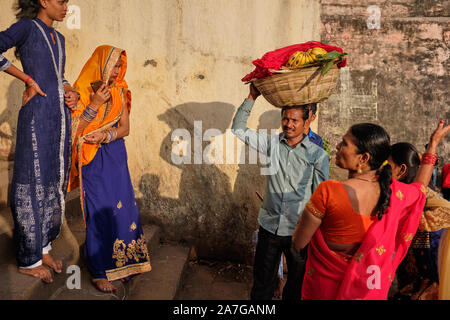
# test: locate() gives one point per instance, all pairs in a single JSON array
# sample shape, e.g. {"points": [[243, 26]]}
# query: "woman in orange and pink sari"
{"points": [[115, 246], [427, 265], [359, 230]]}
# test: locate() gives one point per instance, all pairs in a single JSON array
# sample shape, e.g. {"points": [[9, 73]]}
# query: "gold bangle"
{"points": [[83, 116], [114, 131], [104, 137]]}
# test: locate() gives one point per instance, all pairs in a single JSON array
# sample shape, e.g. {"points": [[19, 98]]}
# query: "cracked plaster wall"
{"points": [[185, 62]]}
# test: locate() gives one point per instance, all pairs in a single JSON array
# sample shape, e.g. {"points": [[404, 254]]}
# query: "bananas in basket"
{"points": [[300, 58], [315, 56]]}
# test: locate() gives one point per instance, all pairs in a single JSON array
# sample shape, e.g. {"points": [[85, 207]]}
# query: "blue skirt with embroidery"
{"points": [[115, 247]]}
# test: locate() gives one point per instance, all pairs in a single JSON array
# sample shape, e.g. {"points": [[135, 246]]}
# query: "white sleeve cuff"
{"points": [[37, 264], [47, 249], [6, 65]]}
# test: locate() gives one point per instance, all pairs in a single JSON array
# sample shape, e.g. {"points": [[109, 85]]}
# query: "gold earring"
{"points": [[359, 168]]}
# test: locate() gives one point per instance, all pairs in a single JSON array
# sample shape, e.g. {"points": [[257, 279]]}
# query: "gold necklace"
{"points": [[365, 179]]}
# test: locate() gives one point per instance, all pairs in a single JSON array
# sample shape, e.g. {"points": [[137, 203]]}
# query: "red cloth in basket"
{"points": [[277, 58]]}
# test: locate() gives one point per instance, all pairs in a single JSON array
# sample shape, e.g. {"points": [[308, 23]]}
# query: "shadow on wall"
{"points": [[8, 131], [206, 213], [9, 116]]}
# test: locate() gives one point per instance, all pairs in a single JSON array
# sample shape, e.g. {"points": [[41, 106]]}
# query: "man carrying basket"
{"points": [[300, 166]]}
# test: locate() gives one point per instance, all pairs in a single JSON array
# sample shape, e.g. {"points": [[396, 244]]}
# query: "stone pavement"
{"points": [[209, 280], [168, 262]]}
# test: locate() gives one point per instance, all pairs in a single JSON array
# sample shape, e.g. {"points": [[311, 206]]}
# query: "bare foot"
{"points": [[104, 286], [40, 272], [48, 260]]}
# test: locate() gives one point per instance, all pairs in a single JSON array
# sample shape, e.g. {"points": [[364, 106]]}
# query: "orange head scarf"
{"points": [[98, 67]]}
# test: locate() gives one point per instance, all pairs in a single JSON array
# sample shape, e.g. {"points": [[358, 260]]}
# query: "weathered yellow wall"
{"points": [[185, 62]]}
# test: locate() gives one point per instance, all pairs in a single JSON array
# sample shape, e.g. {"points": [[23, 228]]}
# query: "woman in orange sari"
{"points": [[115, 247], [359, 230]]}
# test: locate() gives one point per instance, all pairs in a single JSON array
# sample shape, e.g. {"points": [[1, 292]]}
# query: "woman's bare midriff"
{"points": [[347, 248]]}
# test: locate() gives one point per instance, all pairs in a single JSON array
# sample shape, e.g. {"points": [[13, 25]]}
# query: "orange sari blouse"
{"points": [[340, 222]]}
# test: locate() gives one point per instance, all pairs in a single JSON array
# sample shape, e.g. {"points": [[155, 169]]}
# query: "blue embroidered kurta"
{"points": [[42, 155]]}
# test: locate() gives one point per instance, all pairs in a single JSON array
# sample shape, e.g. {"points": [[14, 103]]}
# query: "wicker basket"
{"points": [[298, 86]]}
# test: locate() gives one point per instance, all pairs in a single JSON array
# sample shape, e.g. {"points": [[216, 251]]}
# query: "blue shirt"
{"points": [[295, 173], [315, 138]]}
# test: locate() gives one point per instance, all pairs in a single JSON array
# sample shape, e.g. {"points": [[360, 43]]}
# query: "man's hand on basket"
{"points": [[254, 93]]}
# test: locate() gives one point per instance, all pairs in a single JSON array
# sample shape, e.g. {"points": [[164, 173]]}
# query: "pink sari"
{"points": [[368, 274]]}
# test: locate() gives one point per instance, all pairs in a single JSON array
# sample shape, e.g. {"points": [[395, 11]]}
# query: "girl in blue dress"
{"points": [[42, 155]]}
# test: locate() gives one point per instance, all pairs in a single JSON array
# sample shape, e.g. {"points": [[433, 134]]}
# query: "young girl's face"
{"points": [[55, 9]]}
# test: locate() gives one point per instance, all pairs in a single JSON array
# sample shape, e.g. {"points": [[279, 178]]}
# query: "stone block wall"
{"points": [[397, 74]]}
